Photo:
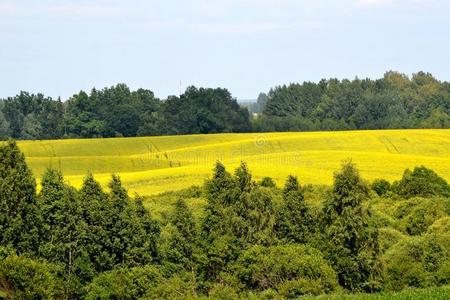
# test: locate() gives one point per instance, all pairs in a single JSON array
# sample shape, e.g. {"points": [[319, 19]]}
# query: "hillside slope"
{"points": [[150, 165]]}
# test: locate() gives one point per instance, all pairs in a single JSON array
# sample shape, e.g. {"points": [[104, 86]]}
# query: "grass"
{"points": [[434, 293], [151, 165]]}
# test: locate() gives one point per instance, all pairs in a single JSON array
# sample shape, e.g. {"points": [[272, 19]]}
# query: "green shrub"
{"points": [[405, 207], [381, 186], [221, 291], [423, 215], [130, 283], [25, 278], [422, 182], [181, 286], [440, 226], [389, 237], [267, 182], [292, 270], [418, 262]]}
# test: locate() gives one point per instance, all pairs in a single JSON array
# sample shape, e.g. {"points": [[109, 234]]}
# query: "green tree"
{"points": [[253, 214], [20, 221], [204, 110], [381, 186], [24, 278], [291, 270], [63, 238], [94, 202], [294, 222], [4, 127], [131, 244], [124, 283], [238, 213], [418, 262], [31, 128], [150, 232], [181, 243], [352, 246], [422, 182]]}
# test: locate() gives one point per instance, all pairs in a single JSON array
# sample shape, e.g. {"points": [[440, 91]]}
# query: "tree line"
{"points": [[252, 239], [394, 101], [117, 111]]}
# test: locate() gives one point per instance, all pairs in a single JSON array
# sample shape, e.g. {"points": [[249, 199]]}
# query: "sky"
{"points": [[248, 46]]}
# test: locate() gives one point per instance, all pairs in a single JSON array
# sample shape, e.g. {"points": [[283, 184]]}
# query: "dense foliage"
{"points": [[250, 239], [117, 111], [394, 101]]}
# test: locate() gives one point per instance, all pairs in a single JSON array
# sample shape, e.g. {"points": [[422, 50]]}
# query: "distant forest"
{"points": [[394, 101]]}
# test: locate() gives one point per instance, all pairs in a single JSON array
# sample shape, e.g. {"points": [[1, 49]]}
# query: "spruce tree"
{"points": [[19, 215], [238, 213], [244, 178], [50, 202], [221, 192], [178, 248], [252, 217], [294, 221], [352, 246], [217, 240], [131, 245], [63, 238], [120, 220], [151, 230], [95, 205], [4, 126]]}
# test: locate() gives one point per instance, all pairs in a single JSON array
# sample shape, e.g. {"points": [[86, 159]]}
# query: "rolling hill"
{"points": [[150, 165]]}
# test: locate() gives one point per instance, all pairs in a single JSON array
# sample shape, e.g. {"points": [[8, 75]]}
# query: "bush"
{"points": [[220, 291], [422, 182], [180, 286], [24, 278], [267, 182], [130, 283], [381, 186], [389, 237], [418, 262], [441, 226], [292, 270], [423, 215]]}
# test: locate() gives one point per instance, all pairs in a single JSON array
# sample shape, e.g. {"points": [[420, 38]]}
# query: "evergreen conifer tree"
{"points": [[352, 246], [294, 219], [20, 221]]}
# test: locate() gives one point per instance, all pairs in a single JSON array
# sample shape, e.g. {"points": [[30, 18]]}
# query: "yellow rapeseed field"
{"points": [[150, 165]]}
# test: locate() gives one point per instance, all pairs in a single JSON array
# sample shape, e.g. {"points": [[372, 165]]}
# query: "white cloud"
{"points": [[7, 9], [239, 28], [369, 3], [85, 10], [366, 3], [236, 28]]}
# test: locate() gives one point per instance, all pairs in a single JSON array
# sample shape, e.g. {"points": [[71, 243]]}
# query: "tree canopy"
{"points": [[393, 101]]}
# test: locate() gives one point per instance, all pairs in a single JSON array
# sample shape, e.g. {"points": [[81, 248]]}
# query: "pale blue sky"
{"points": [[247, 46]]}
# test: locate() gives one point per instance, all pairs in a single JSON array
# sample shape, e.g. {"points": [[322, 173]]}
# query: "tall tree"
{"points": [[63, 240], [205, 110], [131, 244], [20, 220], [180, 245], [352, 246], [294, 222], [4, 127], [31, 129], [94, 202]]}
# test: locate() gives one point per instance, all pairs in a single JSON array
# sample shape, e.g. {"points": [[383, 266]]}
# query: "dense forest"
{"points": [[394, 101], [250, 239]]}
